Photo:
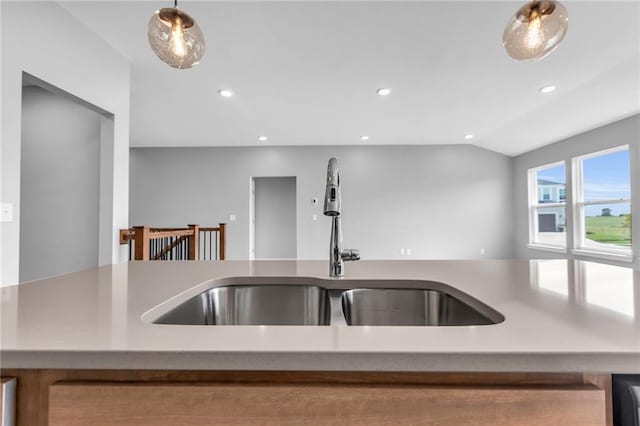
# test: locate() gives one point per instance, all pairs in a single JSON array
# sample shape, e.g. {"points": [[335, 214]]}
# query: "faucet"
{"points": [[332, 207]]}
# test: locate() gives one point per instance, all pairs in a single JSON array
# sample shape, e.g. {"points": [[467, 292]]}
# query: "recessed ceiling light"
{"points": [[383, 91], [262, 138], [364, 138], [468, 136], [225, 93], [548, 89]]}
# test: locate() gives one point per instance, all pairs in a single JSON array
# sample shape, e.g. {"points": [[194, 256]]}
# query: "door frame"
{"points": [[107, 239]]}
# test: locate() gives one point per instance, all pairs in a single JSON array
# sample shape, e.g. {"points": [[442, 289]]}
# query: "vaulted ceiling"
{"points": [[306, 73]]}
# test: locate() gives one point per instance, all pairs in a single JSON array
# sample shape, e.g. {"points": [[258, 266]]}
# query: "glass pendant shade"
{"points": [[175, 38], [535, 30]]}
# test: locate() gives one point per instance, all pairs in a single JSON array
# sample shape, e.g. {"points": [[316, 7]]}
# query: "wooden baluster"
{"points": [[193, 242], [223, 241], [141, 238]]}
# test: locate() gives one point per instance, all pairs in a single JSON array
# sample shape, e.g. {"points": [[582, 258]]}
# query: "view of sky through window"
{"points": [[554, 174], [607, 177]]}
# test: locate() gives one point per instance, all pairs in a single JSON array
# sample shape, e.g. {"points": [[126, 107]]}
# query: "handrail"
{"points": [[147, 243], [166, 234]]}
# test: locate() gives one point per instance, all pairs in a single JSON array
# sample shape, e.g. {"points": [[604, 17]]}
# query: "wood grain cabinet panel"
{"points": [[132, 403]]}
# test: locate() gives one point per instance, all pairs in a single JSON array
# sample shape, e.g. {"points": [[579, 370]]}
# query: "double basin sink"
{"points": [[313, 302]]}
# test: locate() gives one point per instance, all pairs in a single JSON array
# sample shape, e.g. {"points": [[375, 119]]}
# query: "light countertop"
{"points": [[559, 316]]}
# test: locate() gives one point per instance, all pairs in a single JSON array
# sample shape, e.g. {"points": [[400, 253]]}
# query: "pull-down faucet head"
{"points": [[332, 193]]}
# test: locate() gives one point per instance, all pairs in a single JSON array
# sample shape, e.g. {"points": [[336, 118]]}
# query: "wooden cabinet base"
{"points": [[250, 404], [81, 397]]}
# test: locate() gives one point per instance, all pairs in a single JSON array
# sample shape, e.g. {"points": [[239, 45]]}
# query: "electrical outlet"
{"points": [[403, 252], [482, 251], [408, 252], [6, 212], [314, 217], [232, 218]]}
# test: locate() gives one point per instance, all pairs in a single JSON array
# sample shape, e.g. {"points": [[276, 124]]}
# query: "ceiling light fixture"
{"points": [[262, 138], [175, 37], [468, 136], [535, 30], [548, 89], [383, 91], [364, 138], [225, 93]]}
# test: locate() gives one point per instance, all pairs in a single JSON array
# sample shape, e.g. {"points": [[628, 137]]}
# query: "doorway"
{"points": [[60, 180], [274, 218]]}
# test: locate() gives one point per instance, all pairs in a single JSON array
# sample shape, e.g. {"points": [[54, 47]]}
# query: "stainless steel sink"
{"points": [[253, 305], [408, 307], [313, 301]]}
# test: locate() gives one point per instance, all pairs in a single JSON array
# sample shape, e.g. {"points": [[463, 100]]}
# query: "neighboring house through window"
{"points": [[547, 209], [600, 208]]}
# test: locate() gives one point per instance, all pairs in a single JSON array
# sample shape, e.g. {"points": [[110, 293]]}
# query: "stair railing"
{"points": [[191, 243]]}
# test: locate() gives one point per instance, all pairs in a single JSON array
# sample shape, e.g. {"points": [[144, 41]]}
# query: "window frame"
{"points": [[579, 204], [534, 205]]}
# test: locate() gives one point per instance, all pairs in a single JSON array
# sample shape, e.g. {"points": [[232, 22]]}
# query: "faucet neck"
{"points": [[336, 262]]}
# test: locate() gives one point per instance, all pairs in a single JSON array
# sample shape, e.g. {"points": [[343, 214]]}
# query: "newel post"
{"points": [[223, 241], [194, 242], [141, 237]]}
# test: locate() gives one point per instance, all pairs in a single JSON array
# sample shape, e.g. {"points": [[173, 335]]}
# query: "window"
{"points": [[603, 201], [547, 206]]}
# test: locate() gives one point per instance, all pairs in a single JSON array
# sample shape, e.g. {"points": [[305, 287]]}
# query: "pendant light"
{"points": [[175, 37], [535, 30]]}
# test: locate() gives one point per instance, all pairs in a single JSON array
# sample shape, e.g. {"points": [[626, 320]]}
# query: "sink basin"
{"points": [[408, 307], [318, 302], [253, 305]]}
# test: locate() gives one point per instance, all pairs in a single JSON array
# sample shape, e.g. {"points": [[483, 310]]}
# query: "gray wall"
{"points": [[96, 73], [59, 185], [439, 201], [275, 218], [623, 132]]}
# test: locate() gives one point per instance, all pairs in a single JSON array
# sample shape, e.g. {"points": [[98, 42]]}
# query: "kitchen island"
{"points": [[567, 326]]}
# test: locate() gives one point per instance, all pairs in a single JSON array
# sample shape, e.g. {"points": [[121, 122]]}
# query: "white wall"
{"points": [[60, 185], [623, 132], [439, 201], [45, 41]]}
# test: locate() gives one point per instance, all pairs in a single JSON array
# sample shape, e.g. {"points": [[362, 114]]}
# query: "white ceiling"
{"points": [[305, 73]]}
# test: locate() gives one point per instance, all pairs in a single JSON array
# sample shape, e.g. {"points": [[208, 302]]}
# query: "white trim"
{"points": [[600, 202], [577, 199], [543, 247], [549, 205], [548, 166], [252, 218], [602, 152], [620, 257]]}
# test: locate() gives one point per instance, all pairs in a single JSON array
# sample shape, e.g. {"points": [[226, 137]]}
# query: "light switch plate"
{"points": [[6, 212], [232, 218]]}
